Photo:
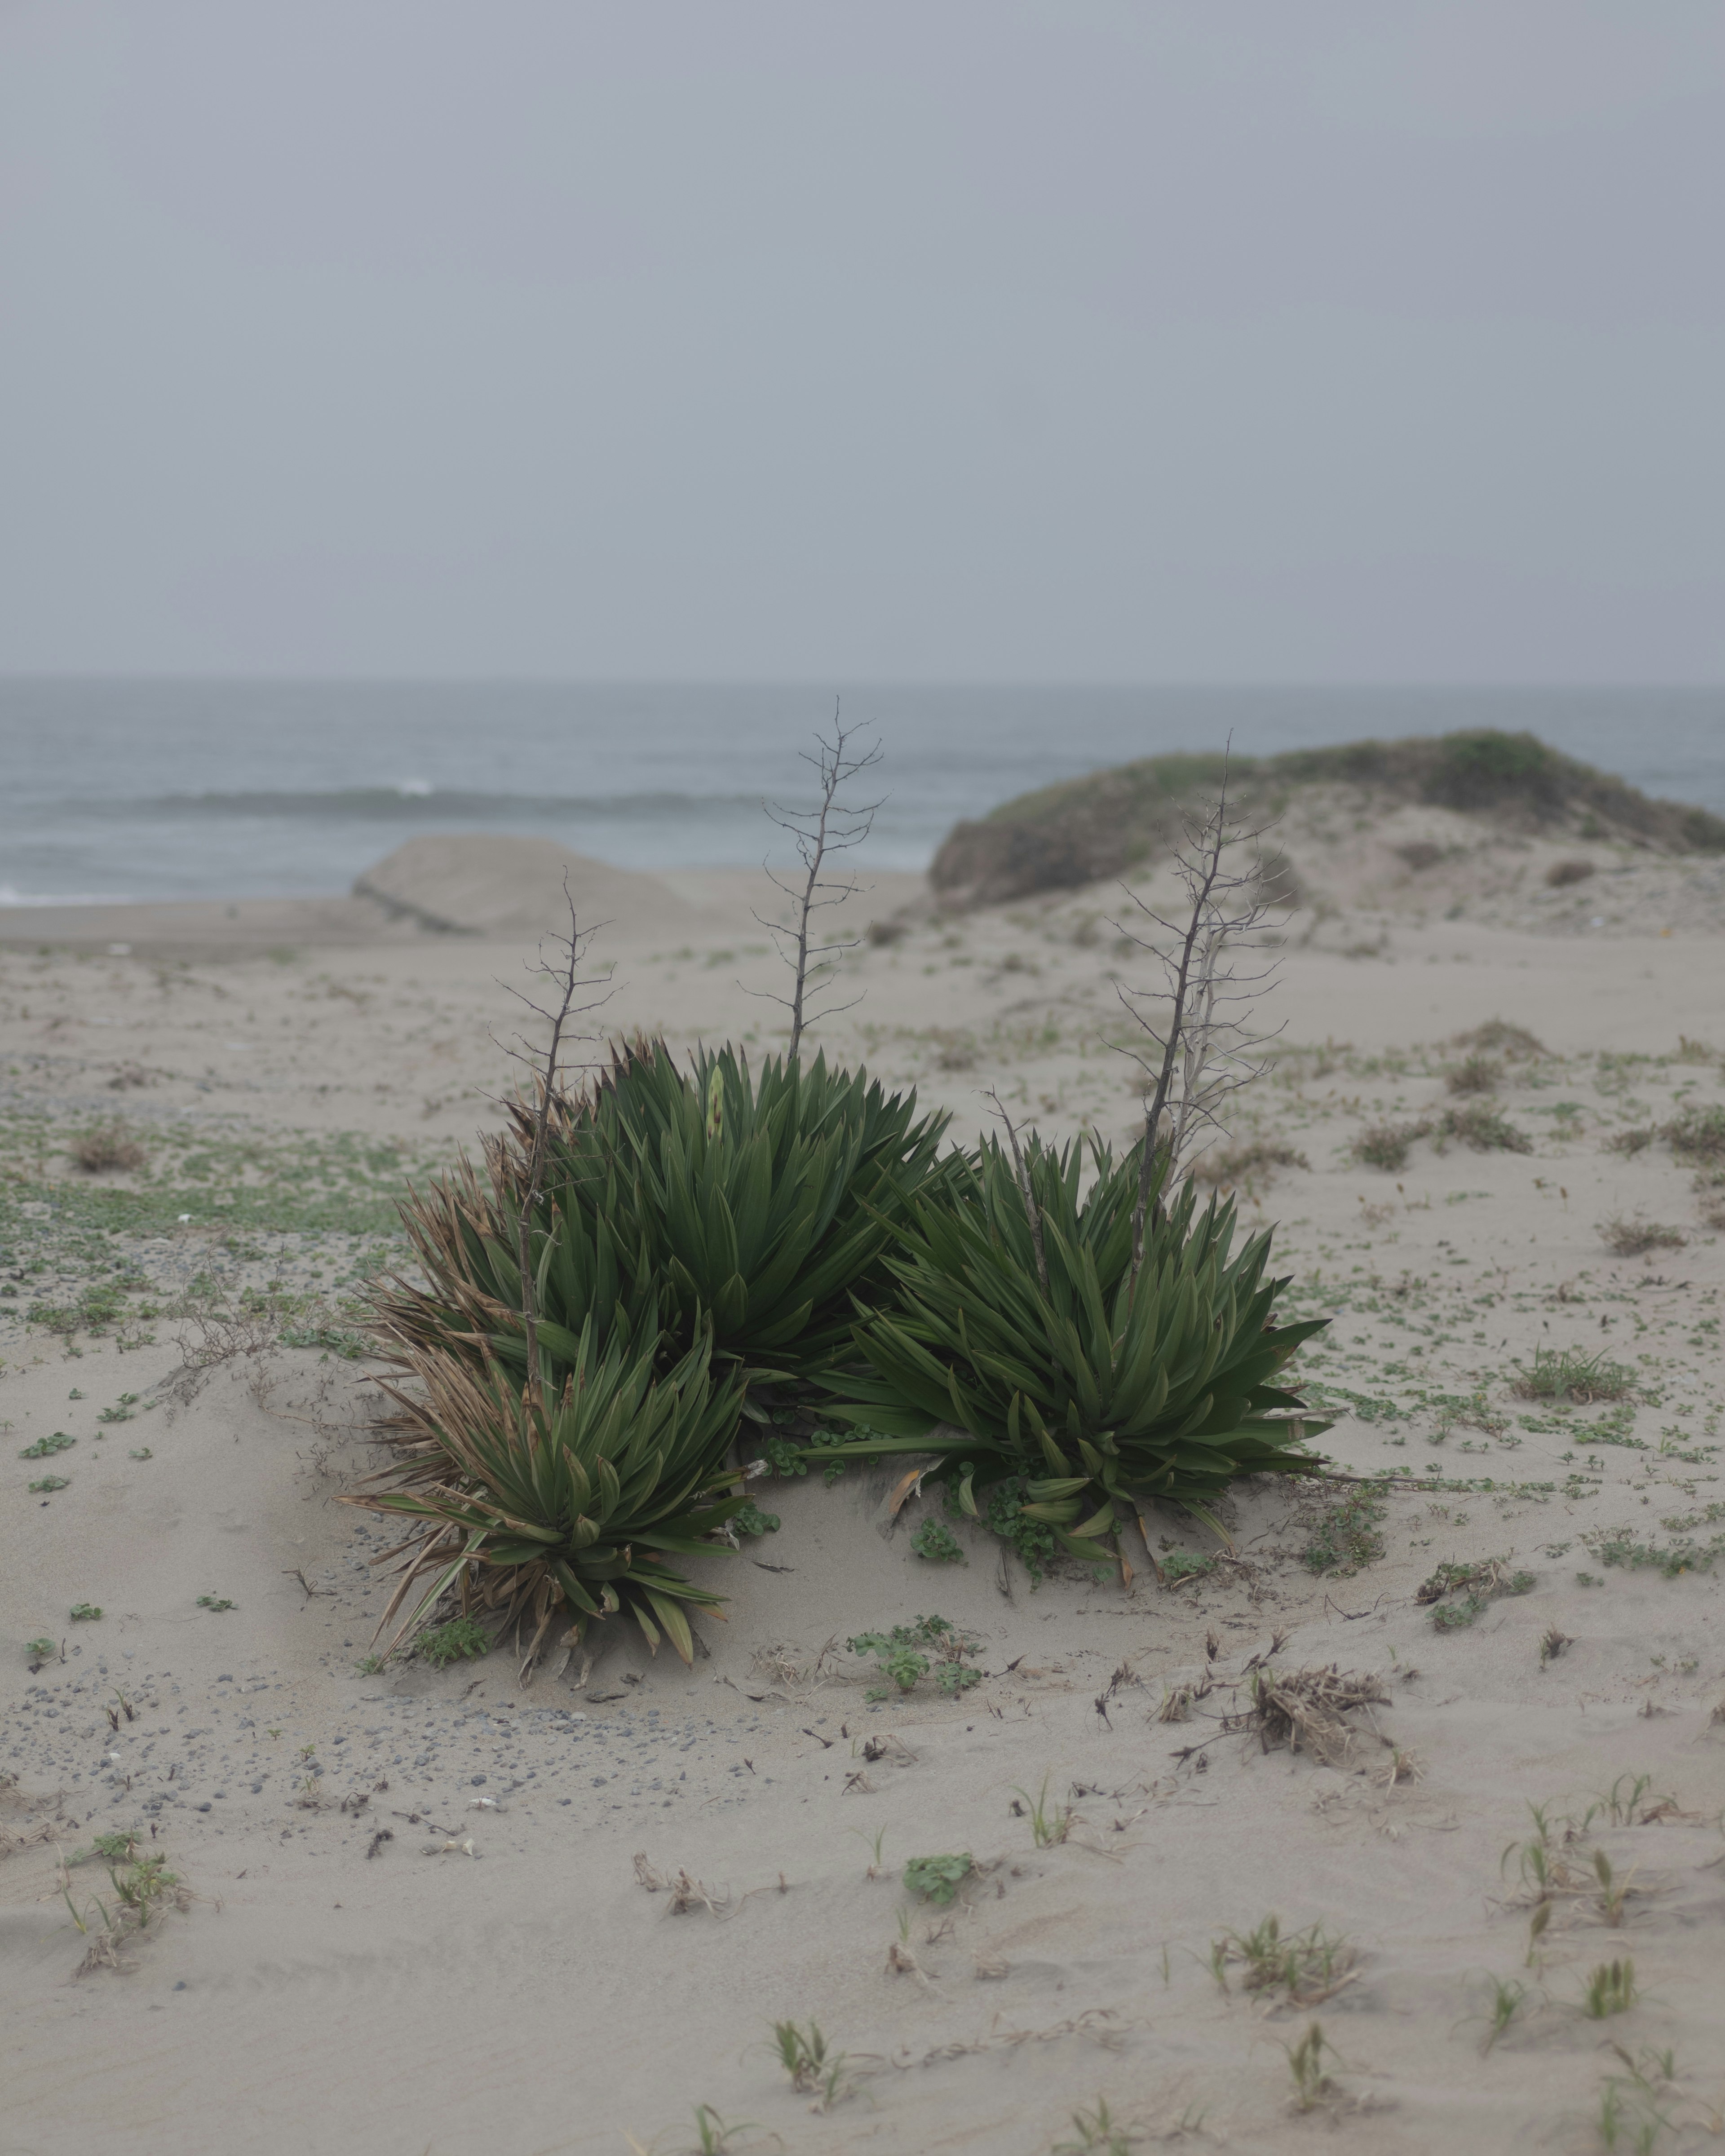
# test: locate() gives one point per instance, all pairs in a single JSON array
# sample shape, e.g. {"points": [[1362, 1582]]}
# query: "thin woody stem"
{"points": [[1212, 864], [829, 787], [831, 827], [546, 1084]]}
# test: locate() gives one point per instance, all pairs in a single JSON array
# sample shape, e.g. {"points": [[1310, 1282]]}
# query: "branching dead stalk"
{"points": [[566, 978], [830, 827], [1206, 1050]]}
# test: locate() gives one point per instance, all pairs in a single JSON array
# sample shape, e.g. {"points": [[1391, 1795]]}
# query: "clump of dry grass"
{"points": [[1698, 1134], [1498, 1037], [1570, 871], [1419, 854], [1630, 1143], [106, 1151], [954, 1051], [1305, 1711], [1476, 1123], [1479, 1074], [1634, 1239], [1228, 1167], [1386, 1145], [1483, 1127]]}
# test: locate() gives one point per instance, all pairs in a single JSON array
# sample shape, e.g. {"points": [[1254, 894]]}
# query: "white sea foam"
{"points": [[9, 896]]}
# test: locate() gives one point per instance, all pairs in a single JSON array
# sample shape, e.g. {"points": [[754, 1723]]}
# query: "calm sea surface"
{"points": [[156, 789]]}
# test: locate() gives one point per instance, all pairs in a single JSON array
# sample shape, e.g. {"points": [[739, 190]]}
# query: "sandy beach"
{"points": [[433, 1913]]}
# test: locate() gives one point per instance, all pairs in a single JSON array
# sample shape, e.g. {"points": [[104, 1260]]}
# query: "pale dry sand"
{"points": [[533, 1996]]}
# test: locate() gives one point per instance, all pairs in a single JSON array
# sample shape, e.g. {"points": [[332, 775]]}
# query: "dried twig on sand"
{"points": [[685, 1893], [14, 1838], [1098, 2024]]}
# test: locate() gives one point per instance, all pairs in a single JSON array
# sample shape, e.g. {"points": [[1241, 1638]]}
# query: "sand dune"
{"points": [[471, 884], [534, 1995]]}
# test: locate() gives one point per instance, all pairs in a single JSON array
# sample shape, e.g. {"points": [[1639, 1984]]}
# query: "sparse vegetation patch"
{"points": [[1458, 1594], [1635, 1238], [462, 1639], [937, 1879], [1344, 1536], [1568, 1374], [907, 1653], [1387, 1145]]}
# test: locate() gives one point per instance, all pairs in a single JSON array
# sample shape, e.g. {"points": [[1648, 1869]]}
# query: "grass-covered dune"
{"points": [[1063, 837]]}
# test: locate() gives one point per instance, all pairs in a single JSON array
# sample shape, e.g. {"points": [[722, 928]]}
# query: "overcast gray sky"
{"points": [[904, 339]]}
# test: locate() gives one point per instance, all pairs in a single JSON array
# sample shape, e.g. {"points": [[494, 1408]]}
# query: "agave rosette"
{"points": [[1104, 1392], [704, 1199], [569, 1508]]}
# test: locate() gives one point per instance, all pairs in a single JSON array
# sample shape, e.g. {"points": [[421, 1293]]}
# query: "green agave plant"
{"points": [[463, 1231], [1102, 1392], [567, 1509], [758, 1208], [768, 1201]]}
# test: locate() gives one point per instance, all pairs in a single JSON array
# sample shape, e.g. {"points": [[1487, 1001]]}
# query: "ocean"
{"points": [[161, 789]]}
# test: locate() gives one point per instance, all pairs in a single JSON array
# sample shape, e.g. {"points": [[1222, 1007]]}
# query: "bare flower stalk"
{"points": [[1032, 1209], [1205, 1047], [564, 974], [830, 827]]}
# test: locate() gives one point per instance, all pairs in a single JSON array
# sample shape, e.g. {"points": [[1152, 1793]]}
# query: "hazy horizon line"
{"points": [[197, 678]]}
